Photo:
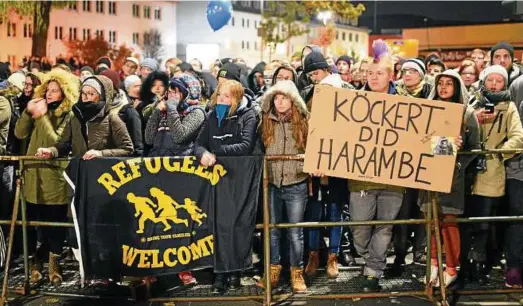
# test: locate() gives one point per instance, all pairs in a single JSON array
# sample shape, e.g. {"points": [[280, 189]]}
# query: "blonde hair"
{"points": [[236, 91]]}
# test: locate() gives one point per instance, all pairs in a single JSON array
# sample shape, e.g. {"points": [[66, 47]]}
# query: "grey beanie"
{"points": [[150, 63]]}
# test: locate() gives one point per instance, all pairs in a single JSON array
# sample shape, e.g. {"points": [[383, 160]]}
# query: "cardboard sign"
{"points": [[382, 138]]}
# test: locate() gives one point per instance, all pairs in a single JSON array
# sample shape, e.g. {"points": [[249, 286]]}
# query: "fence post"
{"points": [[437, 232], [428, 230], [266, 235], [24, 226]]}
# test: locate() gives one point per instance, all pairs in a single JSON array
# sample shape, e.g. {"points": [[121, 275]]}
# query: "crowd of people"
{"points": [[231, 110]]}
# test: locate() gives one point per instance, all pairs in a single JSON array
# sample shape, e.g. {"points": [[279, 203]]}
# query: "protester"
{"points": [[130, 66], [479, 57], [503, 54], [344, 64], [500, 129], [132, 86], [86, 72], [303, 80], [230, 115], [450, 88], [196, 65], [147, 66], [153, 90], [45, 120], [470, 75], [435, 66], [284, 73], [285, 113]]}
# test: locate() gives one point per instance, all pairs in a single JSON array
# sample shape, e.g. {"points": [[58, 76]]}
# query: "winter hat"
{"points": [[181, 85], [150, 63], [92, 82], [494, 69], [230, 72], [313, 61], [132, 59], [503, 45], [129, 81], [344, 58], [194, 87], [17, 79], [87, 68], [113, 76], [104, 60], [415, 64]]}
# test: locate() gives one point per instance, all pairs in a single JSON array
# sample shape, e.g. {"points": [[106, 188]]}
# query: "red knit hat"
{"points": [[115, 78]]}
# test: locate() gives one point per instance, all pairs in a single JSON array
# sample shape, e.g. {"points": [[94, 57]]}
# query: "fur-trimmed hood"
{"points": [[287, 88], [70, 85], [455, 75]]}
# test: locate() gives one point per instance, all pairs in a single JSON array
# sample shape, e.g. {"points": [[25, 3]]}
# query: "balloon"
{"points": [[219, 13]]}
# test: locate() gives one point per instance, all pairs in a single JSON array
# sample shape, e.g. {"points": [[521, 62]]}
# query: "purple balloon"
{"points": [[219, 13]]}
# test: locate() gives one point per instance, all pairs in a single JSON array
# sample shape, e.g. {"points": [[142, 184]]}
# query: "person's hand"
{"points": [[161, 106], [37, 108], [92, 154], [458, 141], [208, 159], [318, 174], [44, 153], [483, 115]]}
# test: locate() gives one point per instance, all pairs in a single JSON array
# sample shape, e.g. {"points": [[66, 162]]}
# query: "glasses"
{"points": [[468, 74], [89, 94], [410, 71]]}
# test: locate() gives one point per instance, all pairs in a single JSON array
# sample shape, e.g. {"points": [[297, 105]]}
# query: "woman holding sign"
{"points": [[450, 88]]}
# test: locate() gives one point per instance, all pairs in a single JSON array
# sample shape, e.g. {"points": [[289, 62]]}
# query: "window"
{"points": [[343, 36], [157, 39], [87, 5], [145, 38], [247, 23], [243, 45], [136, 38], [12, 60], [72, 33], [232, 21], [256, 5], [87, 34], [136, 10], [72, 6], [11, 29], [112, 37], [100, 34], [157, 13], [28, 32], [247, 45], [255, 24], [147, 12], [246, 3], [112, 8], [99, 6], [243, 23], [350, 37], [356, 37]]}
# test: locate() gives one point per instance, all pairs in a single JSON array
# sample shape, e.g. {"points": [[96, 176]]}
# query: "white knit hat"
{"points": [[132, 59], [92, 82], [415, 64], [494, 69], [17, 79], [129, 81]]}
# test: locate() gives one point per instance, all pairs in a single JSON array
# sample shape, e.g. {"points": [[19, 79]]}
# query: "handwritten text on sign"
{"points": [[382, 138]]}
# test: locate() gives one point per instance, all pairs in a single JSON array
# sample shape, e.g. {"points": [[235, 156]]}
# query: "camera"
{"points": [[484, 102], [481, 160]]}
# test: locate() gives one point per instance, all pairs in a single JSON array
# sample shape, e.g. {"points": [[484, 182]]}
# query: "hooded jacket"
{"points": [[286, 67], [303, 79], [43, 181], [106, 132], [284, 173], [503, 132], [464, 172], [131, 118], [235, 137], [259, 68]]}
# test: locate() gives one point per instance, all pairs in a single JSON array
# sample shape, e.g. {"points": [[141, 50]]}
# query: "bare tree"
{"points": [[152, 44]]}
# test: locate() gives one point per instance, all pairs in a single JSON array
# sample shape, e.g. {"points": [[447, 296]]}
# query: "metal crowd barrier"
{"points": [[431, 221]]}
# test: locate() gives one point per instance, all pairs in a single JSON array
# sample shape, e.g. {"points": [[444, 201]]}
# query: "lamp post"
{"points": [[324, 16]]}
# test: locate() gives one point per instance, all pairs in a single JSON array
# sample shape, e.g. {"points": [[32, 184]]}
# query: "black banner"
{"points": [[154, 216]]}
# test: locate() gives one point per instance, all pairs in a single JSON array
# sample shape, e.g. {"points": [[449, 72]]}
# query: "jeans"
{"points": [[372, 242], [292, 199], [409, 210], [475, 236], [514, 231]]}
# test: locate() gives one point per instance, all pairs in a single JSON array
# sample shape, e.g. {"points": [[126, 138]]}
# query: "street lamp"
{"points": [[325, 16]]}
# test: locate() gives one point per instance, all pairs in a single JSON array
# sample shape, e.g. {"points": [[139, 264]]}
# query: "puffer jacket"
{"points": [[106, 132], [454, 202], [235, 137], [290, 172], [43, 181]]}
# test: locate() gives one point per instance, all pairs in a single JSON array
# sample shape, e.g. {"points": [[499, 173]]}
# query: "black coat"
{"points": [[235, 137], [133, 122]]}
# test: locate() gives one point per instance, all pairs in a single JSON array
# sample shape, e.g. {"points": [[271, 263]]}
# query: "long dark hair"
{"points": [[146, 96], [456, 96]]}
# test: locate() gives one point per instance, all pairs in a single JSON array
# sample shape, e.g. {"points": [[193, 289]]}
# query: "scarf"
{"points": [[221, 112], [496, 97], [283, 118], [89, 110], [416, 92], [53, 105]]}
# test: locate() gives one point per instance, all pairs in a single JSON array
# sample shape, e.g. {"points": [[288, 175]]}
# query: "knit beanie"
{"points": [[494, 69], [150, 63], [129, 81], [87, 68], [132, 59], [230, 72], [113, 76], [17, 79], [314, 61], [104, 60], [344, 58], [415, 64], [194, 87], [503, 45], [92, 82], [181, 85]]}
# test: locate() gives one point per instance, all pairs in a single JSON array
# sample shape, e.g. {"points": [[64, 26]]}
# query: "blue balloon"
{"points": [[219, 13]]}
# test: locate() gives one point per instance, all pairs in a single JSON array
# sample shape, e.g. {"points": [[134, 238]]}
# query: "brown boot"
{"points": [[275, 277], [332, 266], [36, 270], [55, 271], [297, 281], [313, 264]]}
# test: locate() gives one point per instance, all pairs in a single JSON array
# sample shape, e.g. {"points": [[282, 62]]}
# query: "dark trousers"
{"points": [[514, 230], [50, 236], [409, 210]]}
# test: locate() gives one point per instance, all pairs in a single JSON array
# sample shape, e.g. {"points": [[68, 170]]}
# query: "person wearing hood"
{"points": [[147, 66], [412, 83], [256, 79], [303, 80], [501, 128], [45, 122], [284, 131], [284, 73], [12, 91], [319, 72], [230, 114], [174, 124], [343, 64], [451, 88], [153, 91], [127, 112]]}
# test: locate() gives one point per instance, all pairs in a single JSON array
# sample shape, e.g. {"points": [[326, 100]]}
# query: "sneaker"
{"points": [[513, 278], [234, 281], [218, 286], [434, 277], [449, 279], [372, 284], [187, 279]]}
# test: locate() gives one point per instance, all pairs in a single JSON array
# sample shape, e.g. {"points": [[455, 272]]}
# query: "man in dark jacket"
{"points": [[303, 80], [503, 54], [255, 79]]}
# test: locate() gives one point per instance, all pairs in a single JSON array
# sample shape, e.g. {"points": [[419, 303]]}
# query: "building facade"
{"points": [[118, 22]]}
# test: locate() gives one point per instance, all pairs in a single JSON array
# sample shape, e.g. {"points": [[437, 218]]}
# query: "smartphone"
{"points": [[489, 107]]}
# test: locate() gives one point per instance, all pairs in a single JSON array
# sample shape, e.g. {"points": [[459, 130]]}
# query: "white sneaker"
{"points": [[449, 279], [434, 276]]}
